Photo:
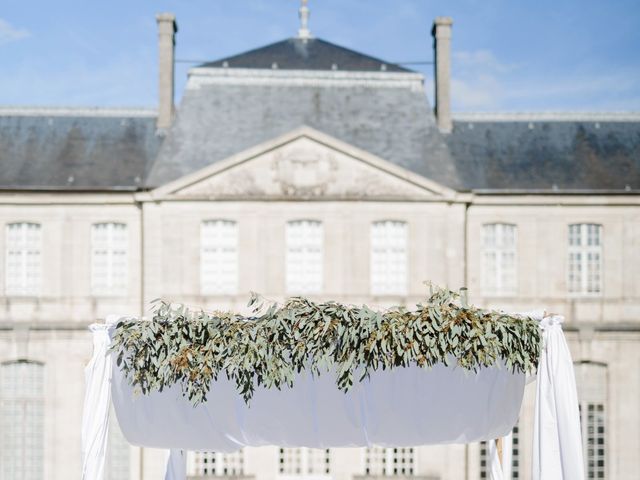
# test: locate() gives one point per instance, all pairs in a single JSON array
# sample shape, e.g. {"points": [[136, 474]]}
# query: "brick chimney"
{"points": [[167, 28], [442, 49]]}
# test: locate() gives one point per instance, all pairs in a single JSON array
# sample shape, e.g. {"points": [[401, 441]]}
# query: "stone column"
{"points": [[167, 28], [442, 49]]}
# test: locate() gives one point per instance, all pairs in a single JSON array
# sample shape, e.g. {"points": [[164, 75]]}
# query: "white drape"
{"points": [[176, 465], [557, 442], [97, 402], [507, 456], [495, 467]]}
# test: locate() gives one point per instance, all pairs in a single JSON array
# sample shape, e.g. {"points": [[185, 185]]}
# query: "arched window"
{"points": [[499, 259], [23, 275], [389, 258], [304, 462], [304, 260], [109, 258], [22, 420], [585, 258], [381, 461], [218, 257], [591, 379], [210, 464]]}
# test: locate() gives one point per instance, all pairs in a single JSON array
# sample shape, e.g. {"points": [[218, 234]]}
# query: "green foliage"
{"points": [[193, 348]]}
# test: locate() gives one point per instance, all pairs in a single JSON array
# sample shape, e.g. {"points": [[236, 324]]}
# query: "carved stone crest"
{"points": [[304, 172]]}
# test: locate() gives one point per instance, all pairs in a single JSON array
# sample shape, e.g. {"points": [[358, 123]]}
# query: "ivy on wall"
{"points": [[193, 348]]}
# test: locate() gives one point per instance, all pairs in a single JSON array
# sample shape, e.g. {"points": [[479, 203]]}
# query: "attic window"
{"points": [[383, 67], [274, 65], [334, 66]]}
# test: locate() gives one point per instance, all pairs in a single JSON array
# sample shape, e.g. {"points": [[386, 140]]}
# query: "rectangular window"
{"points": [[499, 272], [22, 421], [304, 269], [591, 382], [585, 258], [118, 452], [206, 464], [592, 417], [219, 257], [389, 461], [109, 259], [304, 462], [389, 258], [23, 259]]}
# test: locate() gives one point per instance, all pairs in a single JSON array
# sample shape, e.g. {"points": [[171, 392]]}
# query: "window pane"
{"points": [[203, 464], [304, 269], [109, 258], [389, 258], [118, 452], [389, 461], [584, 259], [23, 259], [219, 257], [21, 421], [304, 462], [499, 259]]}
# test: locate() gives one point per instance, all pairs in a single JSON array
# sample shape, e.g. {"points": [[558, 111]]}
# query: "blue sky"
{"points": [[508, 55]]}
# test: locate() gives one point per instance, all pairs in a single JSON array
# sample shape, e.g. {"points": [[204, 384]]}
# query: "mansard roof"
{"points": [[547, 152], [306, 54], [225, 112], [76, 149]]}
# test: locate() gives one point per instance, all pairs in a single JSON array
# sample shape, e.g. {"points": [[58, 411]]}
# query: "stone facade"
{"points": [[308, 175]]}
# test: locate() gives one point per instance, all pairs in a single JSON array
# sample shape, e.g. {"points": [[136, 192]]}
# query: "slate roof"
{"points": [[217, 121], [547, 155], [108, 150], [75, 150], [306, 54]]}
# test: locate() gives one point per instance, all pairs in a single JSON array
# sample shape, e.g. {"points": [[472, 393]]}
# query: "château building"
{"points": [[303, 167]]}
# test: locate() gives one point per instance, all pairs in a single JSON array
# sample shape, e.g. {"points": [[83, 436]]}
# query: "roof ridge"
{"points": [[614, 116], [62, 111]]}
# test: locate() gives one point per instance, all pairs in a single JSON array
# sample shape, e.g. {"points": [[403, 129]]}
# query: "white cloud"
{"points": [[481, 60], [9, 33], [481, 81], [478, 80]]}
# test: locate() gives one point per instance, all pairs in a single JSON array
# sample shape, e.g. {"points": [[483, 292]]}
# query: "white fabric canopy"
{"points": [[403, 407]]}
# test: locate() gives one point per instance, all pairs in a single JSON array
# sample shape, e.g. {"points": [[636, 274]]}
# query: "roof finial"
{"points": [[304, 32]]}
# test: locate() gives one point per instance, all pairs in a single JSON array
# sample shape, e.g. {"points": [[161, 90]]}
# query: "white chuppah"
{"points": [[402, 407]]}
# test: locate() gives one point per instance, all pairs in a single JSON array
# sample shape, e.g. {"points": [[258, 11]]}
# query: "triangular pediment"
{"points": [[303, 164]]}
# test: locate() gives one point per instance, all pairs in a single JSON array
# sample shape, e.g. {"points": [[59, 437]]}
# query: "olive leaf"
{"points": [[193, 348]]}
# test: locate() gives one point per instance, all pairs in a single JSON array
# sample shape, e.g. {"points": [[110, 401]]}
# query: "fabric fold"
{"points": [[176, 465], [97, 402], [557, 440]]}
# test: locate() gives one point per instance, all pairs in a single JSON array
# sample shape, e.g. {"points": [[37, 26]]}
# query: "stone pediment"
{"points": [[303, 165]]}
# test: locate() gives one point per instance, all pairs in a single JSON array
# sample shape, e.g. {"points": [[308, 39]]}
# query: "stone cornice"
{"points": [[201, 76], [17, 111], [546, 117]]}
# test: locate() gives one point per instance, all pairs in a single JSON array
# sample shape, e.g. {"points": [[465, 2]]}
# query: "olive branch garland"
{"points": [[193, 347]]}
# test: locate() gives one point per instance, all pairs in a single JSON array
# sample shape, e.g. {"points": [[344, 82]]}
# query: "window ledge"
{"points": [[397, 477], [218, 477]]}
